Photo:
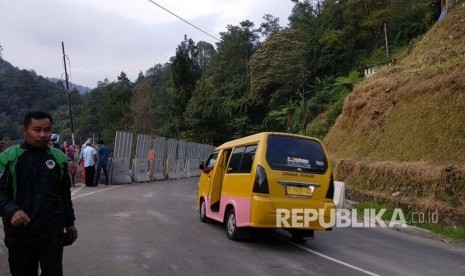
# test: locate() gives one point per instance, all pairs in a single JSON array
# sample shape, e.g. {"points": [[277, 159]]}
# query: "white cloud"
{"points": [[103, 38]]}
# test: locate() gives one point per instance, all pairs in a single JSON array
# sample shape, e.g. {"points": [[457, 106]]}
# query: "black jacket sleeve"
{"points": [[65, 194], [7, 205]]}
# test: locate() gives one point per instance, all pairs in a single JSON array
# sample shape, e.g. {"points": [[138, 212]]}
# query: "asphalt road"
{"points": [[154, 229]]}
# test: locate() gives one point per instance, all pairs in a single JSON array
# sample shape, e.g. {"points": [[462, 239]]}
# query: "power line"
{"points": [[153, 2]]}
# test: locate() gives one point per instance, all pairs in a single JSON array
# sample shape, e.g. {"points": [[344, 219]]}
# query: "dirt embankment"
{"points": [[401, 135]]}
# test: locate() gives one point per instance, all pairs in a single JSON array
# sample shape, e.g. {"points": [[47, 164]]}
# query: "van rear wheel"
{"points": [[203, 211], [300, 236], [231, 227]]}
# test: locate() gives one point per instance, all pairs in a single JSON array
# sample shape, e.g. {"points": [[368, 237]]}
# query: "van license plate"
{"points": [[299, 191]]}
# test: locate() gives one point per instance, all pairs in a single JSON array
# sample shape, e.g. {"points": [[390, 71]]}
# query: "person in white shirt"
{"points": [[81, 160], [89, 156]]}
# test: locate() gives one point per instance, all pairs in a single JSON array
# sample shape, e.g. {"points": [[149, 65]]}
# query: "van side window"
{"points": [[242, 159], [211, 160], [235, 161], [247, 159]]}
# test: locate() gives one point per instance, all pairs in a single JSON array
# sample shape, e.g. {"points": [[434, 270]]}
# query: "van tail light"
{"points": [[261, 182], [330, 192]]}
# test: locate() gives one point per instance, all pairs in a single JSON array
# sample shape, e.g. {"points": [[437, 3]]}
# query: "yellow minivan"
{"points": [[268, 180]]}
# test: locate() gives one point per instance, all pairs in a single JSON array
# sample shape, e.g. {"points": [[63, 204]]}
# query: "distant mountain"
{"points": [[80, 88], [22, 91]]}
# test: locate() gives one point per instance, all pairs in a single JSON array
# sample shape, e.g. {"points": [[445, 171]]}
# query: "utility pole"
{"points": [[69, 95], [386, 40]]}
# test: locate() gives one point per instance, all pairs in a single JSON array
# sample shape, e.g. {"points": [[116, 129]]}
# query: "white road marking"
{"points": [[329, 258], [76, 190], [91, 193]]}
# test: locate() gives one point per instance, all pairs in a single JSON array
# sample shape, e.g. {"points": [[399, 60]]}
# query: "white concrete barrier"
{"points": [[141, 170], [180, 168], [158, 169], [339, 194], [120, 171], [171, 167]]}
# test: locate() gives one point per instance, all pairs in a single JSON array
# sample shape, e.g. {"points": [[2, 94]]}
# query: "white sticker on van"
{"points": [[298, 162], [319, 163]]}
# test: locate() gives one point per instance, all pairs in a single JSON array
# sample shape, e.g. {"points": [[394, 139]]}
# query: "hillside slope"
{"points": [[402, 127], [22, 91]]}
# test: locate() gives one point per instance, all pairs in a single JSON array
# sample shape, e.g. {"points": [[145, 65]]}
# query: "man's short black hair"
{"points": [[36, 115], [100, 142]]}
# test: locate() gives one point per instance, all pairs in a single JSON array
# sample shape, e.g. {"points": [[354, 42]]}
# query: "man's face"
{"points": [[2, 145], [38, 133]]}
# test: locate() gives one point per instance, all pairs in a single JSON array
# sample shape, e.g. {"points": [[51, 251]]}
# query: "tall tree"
{"points": [[123, 80], [205, 115], [270, 26], [160, 79], [230, 67], [141, 113], [205, 52], [279, 73], [185, 71]]}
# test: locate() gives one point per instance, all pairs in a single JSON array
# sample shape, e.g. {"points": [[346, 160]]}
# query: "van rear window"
{"points": [[287, 153]]}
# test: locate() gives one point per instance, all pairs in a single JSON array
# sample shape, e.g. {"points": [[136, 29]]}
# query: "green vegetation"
{"points": [[423, 220], [257, 77], [394, 132], [401, 131]]}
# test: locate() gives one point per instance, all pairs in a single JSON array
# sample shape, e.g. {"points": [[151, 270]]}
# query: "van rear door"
{"points": [[298, 175]]}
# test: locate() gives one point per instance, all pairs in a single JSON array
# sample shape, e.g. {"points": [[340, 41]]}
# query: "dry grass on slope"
{"points": [[414, 110], [403, 126]]}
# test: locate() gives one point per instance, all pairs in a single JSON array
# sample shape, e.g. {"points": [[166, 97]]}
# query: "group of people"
{"points": [[89, 157]]}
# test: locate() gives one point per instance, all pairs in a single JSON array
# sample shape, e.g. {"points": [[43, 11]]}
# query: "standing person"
{"points": [[81, 159], [35, 200], [69, 151], [55, 142], [89, 156], [103, 153]]}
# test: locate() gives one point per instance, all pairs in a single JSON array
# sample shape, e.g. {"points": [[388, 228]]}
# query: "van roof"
{"points": [[259, 136]]}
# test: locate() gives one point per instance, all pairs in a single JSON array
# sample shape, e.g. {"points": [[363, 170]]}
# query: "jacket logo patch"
{"points": [[50, 164]]}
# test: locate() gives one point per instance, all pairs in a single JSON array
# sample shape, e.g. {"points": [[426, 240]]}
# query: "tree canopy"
{"points": [[257, 77]]}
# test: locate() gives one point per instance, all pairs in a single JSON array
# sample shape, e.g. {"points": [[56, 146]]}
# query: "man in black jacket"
{"points": [[35, 200]]}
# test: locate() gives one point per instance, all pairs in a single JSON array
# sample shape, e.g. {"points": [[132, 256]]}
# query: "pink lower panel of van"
{"points": [[241, 207]]}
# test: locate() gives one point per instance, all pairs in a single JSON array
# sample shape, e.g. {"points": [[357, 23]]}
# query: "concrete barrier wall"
{"points": [[140, 171], [170, 165], [194, 153], [120, 173], [193, 167], [181, 155], [339, 194], [159, 154], [155, 158], [158, 169]]}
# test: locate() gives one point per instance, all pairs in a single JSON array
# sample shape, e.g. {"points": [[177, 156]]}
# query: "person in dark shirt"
{"points": [[55, 142], [35, 200], [103, 153]]}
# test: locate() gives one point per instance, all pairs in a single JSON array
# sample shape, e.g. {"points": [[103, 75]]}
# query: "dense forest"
{"points": [[257, 77]]}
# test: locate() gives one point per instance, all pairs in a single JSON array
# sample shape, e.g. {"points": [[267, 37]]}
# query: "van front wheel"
{"points": [[231, 228], [203, 211]]}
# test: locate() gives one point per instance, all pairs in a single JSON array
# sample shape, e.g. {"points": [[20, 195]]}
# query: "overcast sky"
{"points": [[104, 37]]}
